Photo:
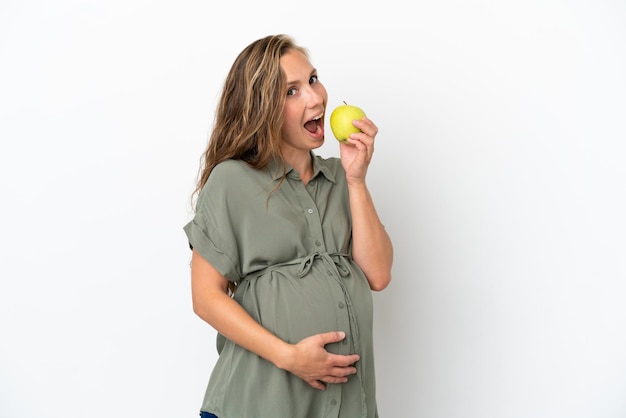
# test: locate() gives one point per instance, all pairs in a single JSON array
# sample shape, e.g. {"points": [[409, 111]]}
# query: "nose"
{"points": [[316, 95]]}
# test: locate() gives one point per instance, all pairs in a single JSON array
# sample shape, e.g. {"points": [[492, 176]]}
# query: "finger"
{"points": [[334, 379], [364, 137], [332, 337], [366, 126], [343, 361], [342, 372], [355, 139], [317, 384], [374, 127]]}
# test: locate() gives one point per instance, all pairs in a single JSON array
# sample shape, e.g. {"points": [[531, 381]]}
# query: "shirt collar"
{"points": [[319, 166]]}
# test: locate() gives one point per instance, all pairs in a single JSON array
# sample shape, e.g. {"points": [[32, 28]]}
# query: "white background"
{"points": [[499, 173]]}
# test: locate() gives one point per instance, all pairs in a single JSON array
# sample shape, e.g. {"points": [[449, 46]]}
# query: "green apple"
{"points": [[341, 121]]}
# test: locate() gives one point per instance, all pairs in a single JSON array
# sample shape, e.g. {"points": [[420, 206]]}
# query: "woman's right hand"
{"points": [[310, 361]]}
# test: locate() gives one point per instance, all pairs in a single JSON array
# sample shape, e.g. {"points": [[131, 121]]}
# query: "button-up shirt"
{"points": [[289, 250]]}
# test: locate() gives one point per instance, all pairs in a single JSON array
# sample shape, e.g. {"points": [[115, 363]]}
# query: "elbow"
{"points": [[200, 307], [197, 308], [381, 282]]}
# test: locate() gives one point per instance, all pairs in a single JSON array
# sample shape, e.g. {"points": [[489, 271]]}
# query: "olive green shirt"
{"points": [[289, 250]]}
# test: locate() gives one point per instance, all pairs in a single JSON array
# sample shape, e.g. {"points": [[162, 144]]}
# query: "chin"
{"points": [[317, 142]]}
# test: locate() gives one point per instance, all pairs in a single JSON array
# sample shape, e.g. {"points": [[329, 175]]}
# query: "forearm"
{"points": [[372, 249], [229, 319], [212, 304]]}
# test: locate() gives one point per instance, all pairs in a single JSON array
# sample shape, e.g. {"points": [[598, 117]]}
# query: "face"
{"points": [[303, 127]]}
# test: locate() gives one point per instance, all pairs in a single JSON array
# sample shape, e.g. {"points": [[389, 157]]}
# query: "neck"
{"points": [[302, 162]]}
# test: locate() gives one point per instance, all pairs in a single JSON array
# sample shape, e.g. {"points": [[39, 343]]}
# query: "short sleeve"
{"points": [[211, 234], [200, 241]]}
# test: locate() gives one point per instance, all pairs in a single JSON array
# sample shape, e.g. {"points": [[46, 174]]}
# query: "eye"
{"points": [[291, 91], [314, 79]]}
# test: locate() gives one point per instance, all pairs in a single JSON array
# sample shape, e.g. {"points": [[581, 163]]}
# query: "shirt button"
{"points": [[310, 210], [318, 243], [341, 305], [344, 341], [333, 402]]}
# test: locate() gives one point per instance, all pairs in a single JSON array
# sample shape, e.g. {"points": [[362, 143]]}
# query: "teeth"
{"points": [[318, 117]]}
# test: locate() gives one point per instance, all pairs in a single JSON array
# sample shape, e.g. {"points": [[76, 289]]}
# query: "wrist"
{"points": [[282, 355], [355, 183]]}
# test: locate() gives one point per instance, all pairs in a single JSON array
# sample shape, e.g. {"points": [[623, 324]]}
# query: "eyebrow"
{"points": [[313, 72]]}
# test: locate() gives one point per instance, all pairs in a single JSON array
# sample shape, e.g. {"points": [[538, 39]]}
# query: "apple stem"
{"points": [[344, 102]]}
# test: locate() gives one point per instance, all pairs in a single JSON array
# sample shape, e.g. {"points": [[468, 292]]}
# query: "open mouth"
{"points": [[314, 125]]}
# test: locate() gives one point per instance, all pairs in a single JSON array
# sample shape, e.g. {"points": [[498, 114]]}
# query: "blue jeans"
{"points": [[206, 415]]}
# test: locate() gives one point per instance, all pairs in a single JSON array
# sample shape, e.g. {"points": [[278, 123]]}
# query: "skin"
{"points": [[372, 248]]}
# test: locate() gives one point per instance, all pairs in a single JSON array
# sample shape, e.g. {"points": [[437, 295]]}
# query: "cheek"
{"points": [[289, 111], [291, 118], [289, 128]]}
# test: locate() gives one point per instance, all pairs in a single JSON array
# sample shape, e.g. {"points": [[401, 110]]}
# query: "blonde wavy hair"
{"points": [[249, 114]]}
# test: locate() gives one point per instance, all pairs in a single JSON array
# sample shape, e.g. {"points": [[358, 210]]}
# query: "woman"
{"points": [[287, 247]]}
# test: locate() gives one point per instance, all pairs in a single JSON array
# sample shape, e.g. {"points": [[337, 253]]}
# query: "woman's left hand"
{"points": [[357, 152]]}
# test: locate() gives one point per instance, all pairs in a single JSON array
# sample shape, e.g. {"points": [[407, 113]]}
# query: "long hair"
{"points": [[249, 114]]}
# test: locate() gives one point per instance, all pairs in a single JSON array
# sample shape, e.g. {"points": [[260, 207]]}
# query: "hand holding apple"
{"points": [[341, 121]]}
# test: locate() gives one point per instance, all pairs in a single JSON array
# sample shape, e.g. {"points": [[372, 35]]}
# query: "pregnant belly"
{"points": [[294, 307]]}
